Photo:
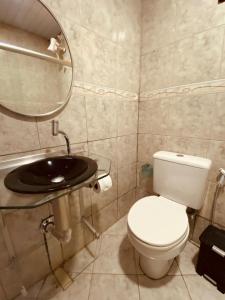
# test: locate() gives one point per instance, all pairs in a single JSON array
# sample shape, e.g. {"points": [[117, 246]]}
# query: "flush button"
{"points": [[180, 155]]}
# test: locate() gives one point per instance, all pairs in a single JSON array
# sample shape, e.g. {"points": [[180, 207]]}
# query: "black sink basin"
{"points": [[50, 174]]}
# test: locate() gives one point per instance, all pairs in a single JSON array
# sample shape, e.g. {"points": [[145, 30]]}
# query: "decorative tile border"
{"points": [[91, 88], [200, 88]]}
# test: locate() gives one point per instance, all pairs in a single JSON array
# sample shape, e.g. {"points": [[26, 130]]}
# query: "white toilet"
{"points": [[158, 226]]}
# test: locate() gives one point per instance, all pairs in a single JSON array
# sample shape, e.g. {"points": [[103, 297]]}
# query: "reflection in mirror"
{"points": [[36, 65]]}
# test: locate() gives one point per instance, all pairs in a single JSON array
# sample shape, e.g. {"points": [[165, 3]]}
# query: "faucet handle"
{"points": [[55, 127]]}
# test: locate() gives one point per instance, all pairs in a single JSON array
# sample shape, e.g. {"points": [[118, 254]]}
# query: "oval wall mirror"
{"points": [[35, 60]]}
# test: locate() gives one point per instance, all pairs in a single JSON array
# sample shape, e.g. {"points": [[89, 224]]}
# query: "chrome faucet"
{"points": [[56, 131]]}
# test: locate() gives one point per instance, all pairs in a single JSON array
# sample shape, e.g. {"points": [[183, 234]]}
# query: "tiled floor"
{"points": [[115, 275]]}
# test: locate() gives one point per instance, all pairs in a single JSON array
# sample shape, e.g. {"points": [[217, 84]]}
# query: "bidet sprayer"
{"points": [[221, 177]]}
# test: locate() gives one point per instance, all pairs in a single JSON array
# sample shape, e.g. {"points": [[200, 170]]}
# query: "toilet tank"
{"points": [[181, 178]]}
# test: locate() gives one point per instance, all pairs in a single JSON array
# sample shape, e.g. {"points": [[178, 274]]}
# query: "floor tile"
{"points": [[78, 290], [201, 289], [116, 256], [114, 287], [119, 228], [83, 260], [188, 259], [167, 288]]}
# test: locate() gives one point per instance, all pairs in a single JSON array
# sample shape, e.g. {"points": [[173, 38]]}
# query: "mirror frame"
{"points": [[71, 84]]}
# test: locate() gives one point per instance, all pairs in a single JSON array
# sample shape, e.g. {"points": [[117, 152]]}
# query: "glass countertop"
{"points": [[13, 200]]}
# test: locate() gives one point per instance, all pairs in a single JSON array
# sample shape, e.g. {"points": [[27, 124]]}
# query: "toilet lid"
{"points": [[158, 221]]}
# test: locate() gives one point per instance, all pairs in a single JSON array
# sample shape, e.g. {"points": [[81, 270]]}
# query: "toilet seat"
{"points": [[158, 221]]}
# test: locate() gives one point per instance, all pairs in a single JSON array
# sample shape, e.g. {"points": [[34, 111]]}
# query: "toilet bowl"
{"points": [[158, 229]]}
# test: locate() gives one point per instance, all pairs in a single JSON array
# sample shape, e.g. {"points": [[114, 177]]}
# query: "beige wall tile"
{"points": [[191, 116], [157, 69], [128, 69], [24, 228], [126, 149], [148, 144], [2, 294], [200, 226], [101, 117], [40, 267], [10, 279], [186, 145], [218, 123], [154, 116], [105, 217], [198, 58], [80, 204], [161, 12], [106, 148], [126, 178], [125, 202], [206, 210], [188, 18], [17, 134], [219, 210], [4, 255], [216, 153], [127, 117], [72, 120]]}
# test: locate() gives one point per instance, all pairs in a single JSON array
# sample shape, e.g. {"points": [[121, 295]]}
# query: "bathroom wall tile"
{"points": [[128, 24], [198, 58], [102, 199], [94, 14], [154, 116], [187, 259], [116, 256], [114, 287], [32, 292], [40, 267], [105, 217], [98, 59], [125, 202], [216, 153], [126, 149], [148, 144], [81, 236], [80, 204], [101, 117], [191, 116], [10, 278], [218, 123], [2, 294], [4, 255], [188, 18], [157, 69], [170, 287], [72, 120], [106, 148], [219, 210], [144, 181], [55, 250], [128, 69], [201, 289], [208, 201], [24, 228], [126, 179], [200, 226], [186, 145], [127, 117], [17, 134], [158, 24], [141, 192]]}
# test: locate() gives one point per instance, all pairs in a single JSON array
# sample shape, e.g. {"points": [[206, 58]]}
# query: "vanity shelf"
{"points": [[13, 200]]}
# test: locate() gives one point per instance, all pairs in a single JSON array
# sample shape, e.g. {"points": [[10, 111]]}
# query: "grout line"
{"points": [[186, 286]]}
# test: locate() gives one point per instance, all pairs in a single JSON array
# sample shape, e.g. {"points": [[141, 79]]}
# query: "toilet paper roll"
{"points": [[103, 184]]}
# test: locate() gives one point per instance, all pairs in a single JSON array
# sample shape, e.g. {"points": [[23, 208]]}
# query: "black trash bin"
{"points": [[211, 259]]}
